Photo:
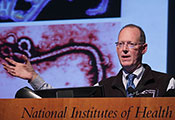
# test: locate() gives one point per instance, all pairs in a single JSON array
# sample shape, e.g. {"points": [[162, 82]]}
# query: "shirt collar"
{"points": [[138, 72]]}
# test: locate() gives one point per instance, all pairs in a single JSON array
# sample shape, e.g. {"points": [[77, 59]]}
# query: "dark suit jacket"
{"points": [[152, 84]]}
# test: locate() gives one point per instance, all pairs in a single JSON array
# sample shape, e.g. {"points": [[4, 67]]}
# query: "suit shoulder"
{"points": [[161, 74], [108, 80]]}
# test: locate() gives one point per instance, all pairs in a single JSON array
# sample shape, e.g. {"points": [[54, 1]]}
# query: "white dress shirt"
{"points": [[139, 73]]}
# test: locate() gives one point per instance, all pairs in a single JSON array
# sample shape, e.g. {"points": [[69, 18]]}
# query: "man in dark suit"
{"points": [[131, 47], [134, 79]]}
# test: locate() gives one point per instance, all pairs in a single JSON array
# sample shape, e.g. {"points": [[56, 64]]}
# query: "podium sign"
{"points": [[88, 109]]}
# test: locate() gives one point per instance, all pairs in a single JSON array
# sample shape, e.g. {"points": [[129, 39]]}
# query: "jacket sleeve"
{"points": [[38, 84]]}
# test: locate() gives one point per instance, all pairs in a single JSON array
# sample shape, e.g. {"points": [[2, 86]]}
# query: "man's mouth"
{"points": [[126, 57]]}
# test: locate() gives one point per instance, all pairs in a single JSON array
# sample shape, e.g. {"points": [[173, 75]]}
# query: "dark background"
{"points": [[171, 39]]}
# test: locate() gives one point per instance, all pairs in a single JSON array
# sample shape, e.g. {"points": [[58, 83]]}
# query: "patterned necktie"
{"points": [[130, 84]]}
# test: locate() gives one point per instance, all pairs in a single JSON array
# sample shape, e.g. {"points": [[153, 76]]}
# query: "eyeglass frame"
{"points": [[128, 43]]}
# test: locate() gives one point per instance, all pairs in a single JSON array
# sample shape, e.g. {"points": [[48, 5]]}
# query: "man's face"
{"points": [[130, 57]]}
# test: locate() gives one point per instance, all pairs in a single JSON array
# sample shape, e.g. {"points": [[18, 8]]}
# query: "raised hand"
{"points": [[21, 70]]}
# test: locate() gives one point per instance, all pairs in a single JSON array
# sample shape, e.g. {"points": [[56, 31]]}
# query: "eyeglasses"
{"points": [[129, 44]]}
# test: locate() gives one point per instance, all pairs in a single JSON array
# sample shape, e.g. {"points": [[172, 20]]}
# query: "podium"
{"points": [[88, 109]]}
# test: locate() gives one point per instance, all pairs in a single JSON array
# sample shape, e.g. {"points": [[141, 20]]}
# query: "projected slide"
{"points": [[66, 55], [71, 43]]}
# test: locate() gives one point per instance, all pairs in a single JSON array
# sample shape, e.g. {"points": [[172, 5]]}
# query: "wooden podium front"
{"points": [[88, 109]]}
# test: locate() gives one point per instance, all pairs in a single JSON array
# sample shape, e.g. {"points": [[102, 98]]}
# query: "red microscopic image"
{"points": [[65, 55]]}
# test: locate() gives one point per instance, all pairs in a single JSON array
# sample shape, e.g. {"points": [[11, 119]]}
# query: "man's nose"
{"points": [[125, 51], [125, 48]]}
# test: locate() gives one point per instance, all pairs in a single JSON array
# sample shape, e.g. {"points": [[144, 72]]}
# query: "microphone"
{"points": [[26, 93], [131, 90], [142, 92]]}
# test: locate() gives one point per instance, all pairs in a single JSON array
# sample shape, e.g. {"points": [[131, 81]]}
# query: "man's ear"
{"points": [[144, 48]]}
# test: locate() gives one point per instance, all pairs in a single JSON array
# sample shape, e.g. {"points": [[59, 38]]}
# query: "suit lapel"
{"points": [[146, 79], [118, 83]]}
